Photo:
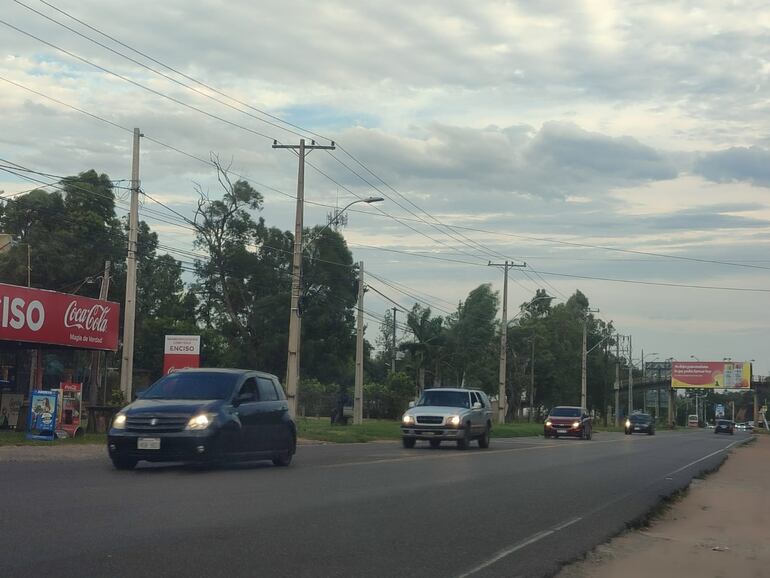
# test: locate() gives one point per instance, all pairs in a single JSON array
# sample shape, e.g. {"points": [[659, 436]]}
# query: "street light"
{"points": [[295, 318], [695, 358], [367, 200]]}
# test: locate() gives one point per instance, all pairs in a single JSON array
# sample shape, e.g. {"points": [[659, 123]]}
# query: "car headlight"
{"points": [[200, 421], [454, 420], [628, 423], [548, 423], [407, 419], [575, 424], [119, 422]]}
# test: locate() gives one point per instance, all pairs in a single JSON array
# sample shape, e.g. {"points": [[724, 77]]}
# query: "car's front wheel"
{"points": [[465, 441], [484, 439], [121, 463], [408, 442]]}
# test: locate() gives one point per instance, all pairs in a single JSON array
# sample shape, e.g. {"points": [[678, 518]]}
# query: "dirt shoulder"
{"points": [[719, 529]]}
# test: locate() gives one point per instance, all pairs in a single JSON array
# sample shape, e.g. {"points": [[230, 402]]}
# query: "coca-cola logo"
{"points": [[93, 318]]}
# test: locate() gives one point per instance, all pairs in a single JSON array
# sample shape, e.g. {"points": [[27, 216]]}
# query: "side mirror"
{"points": [[242, 397], [411, 404], [476, 405]]}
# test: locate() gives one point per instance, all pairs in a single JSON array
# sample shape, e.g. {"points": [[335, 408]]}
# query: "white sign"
{"points": [[183, 345]]}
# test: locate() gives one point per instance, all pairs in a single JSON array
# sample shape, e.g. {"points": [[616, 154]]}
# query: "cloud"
{"points": [[750, 164]]}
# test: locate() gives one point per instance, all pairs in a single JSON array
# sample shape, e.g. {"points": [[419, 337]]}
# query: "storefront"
{"points": [[48, 339]]}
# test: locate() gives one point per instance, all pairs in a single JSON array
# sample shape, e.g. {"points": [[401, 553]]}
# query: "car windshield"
{"points": [[193, 385], [640, 418], [565, 412], [723, 422], [445, 398]]}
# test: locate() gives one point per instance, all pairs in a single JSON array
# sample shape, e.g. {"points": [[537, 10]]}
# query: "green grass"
{"points": [[12, 438], [320, 429]]}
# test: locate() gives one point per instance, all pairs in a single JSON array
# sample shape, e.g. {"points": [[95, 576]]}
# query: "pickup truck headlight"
{"points": [[407, 420], [200, 421], [454, 420], [575, 424], [548, 423], [119, 422]]}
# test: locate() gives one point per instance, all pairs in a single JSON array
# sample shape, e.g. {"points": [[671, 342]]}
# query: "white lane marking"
{"points": [[727, 447], [567, 524], [507, 552], [518, 546]]}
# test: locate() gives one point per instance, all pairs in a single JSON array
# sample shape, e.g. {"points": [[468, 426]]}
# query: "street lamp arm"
{"points": [[367, 200]]}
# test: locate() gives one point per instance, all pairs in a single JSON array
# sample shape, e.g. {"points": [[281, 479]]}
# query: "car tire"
{"points": [[282, 460], [465, 441], [435, 444], [124, 463], [484, 439], [408, 443]]}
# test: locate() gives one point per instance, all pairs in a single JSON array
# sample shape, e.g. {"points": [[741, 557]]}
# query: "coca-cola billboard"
{"points": [[39, 316]]}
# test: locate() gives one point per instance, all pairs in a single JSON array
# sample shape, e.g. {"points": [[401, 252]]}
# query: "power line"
{"points": [[182, 74], [138, 84]]}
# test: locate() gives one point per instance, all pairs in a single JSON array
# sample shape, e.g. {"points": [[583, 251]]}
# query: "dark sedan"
{"points": [[724, 426], [569, 421], [640, 423], [205, 416]]}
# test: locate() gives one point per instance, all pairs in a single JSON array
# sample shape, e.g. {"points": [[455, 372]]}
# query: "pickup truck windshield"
{"points": [[445, 399], [194, 385]]}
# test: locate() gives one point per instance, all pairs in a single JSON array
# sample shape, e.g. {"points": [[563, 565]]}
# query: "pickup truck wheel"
{"points": [[484, 439], [435, 443], [408, 442], [465, 441]]}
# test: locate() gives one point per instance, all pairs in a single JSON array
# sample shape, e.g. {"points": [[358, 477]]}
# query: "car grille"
{"points": [[430, 419], [162, 423]]}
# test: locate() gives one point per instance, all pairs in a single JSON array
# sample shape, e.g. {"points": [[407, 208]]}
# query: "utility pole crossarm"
{"points": [[307, 147]]}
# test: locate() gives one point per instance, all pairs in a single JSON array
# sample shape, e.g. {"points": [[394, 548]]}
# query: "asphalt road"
{"points": [[521, 508]]}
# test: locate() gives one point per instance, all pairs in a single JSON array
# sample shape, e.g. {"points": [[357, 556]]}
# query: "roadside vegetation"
{"points": [[13, 438]]}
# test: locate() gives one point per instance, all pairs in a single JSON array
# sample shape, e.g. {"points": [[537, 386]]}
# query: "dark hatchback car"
{"points": [[724, 426], [640, 423], [205, 416], [568, 421]]}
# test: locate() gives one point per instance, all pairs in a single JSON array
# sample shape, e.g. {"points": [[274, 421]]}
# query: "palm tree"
{"points": [[425, 349]]}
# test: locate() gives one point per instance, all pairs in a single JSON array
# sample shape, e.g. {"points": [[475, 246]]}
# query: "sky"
{"points": [[613, 140]]}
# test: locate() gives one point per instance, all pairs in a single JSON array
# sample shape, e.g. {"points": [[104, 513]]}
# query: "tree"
{"points": [[428, 339]]}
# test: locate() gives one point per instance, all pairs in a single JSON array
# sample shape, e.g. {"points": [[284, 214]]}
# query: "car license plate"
{"points": [[561, 431], [637, 428], [148, 443]]}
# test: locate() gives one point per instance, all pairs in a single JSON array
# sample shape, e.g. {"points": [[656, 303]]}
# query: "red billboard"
{"points": [[711, 374], [180, 352], [40, 316]]}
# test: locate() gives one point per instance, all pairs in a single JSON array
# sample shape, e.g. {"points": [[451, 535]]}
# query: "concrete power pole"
{"points": [[129, 315], [295, 316], [584, 368], [96, 356], [532, 382], [501, 397], [393, 356], [358, 393], [617, 381], [630, 378]]}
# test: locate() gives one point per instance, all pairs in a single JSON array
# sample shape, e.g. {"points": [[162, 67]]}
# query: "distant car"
{"points": [[693, 421], [725, 426], [205, 415], [640, 423], [448, 414], [743, 426], [568, 421]]}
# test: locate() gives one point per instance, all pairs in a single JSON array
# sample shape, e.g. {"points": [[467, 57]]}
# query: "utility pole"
{"points": [[501, 398], [29, 266], [532, 382], [584, 371], [393, 356], [630, 378], [96, 356], [129, 316], [358, 393], [295, 315], [617, 381]]}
